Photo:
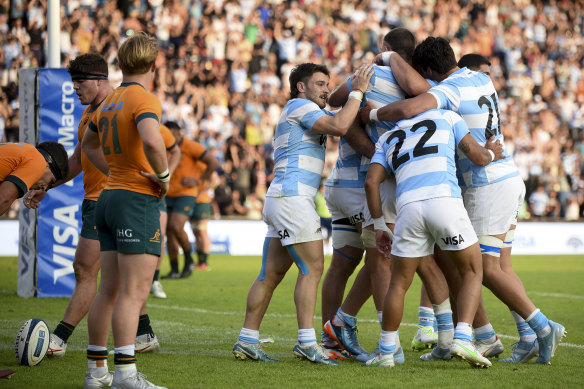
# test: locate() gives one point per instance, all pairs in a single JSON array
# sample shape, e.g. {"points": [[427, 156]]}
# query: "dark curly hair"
{"points": [[302, 73], [436, 54], [87, 65]]}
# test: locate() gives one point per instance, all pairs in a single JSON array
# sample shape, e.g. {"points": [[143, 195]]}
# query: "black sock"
{"points": [[174, 266], [156, 275], [188, 259], [124, 359], [202, 258], [144, 326], [97, 356], [64, 330]]}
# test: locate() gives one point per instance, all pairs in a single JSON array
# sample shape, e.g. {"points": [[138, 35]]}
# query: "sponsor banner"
{"points": [[59, 214], [27, 218], [227, 237], [549, 238]]}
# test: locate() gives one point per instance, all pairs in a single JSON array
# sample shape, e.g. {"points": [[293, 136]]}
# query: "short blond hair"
{"points": [[138, 53]]}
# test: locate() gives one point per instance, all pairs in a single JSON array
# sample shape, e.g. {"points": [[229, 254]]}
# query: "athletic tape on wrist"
{"points": [[357, 95], [373, 115], [164, 176], [492, 155]]}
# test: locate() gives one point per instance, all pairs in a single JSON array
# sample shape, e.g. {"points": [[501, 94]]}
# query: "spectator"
{"points": [[224, 65], [539, 202]]}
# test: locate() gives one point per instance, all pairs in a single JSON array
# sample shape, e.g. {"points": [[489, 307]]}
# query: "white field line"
{"points": [[291, 315], [560, 295]]}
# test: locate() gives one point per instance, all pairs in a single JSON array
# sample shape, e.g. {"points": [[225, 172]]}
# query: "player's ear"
{"points": [[301, 87]]}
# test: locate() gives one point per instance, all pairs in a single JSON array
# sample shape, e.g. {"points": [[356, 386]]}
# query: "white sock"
{"points": [[94, 370], [307, 336], [126, 350], [464, 328], [249, 336], [387, 340], [483, 330]]}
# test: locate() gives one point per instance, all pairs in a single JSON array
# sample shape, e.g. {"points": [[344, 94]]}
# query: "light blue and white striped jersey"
{"points": [[472, 95], [350, 170], [420, 152], [346, 173], [298, 151], [383, 89]]}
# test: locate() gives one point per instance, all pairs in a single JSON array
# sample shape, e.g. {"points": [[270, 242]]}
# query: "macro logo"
{"points": [[575, 243]]}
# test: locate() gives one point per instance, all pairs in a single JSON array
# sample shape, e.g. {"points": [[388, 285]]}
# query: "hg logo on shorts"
{"points": [[124, 233], [453, 240]]}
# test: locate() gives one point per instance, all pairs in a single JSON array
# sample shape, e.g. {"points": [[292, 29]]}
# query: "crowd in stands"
{"points": [[224, 65]]}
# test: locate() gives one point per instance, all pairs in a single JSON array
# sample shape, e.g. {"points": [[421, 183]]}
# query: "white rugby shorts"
{"points": [[493, 208], [388, 202], [345, 203], [441, 220], [292, 219]]}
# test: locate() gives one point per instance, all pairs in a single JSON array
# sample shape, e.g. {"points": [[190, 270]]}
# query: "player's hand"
{"points": [[496, 147], [32, 198], [383, 242], [378, 60], [362, 76], [364, 113], [190, 182], [163, 185]]}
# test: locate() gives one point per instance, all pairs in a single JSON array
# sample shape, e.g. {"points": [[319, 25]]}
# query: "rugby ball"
{"points": [[32, 342]]}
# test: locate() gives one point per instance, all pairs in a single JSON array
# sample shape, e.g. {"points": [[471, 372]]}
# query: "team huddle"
{"points": [[422, 184]]}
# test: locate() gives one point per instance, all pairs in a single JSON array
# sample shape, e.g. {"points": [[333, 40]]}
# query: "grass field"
{"points": [[200, 321]]}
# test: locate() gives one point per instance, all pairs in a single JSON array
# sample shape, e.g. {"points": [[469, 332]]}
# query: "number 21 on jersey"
{"points": [[107, 128]]}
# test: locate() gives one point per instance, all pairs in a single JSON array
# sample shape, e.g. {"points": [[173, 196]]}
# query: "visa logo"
{"points": [[453, 240]]}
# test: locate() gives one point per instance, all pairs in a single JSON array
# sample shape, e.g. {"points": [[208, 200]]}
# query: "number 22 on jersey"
{"points": [[420, 148]]}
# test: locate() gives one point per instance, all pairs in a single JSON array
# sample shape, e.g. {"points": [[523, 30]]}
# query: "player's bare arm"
{"points": [[155, 152], [412, 83], [34, 197], [399, 110], [339, 96], [375, 176], [212, 165], [340, 123], [358, 139], [8, 193], [91, 146], [173, 159], [479, 155]]}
